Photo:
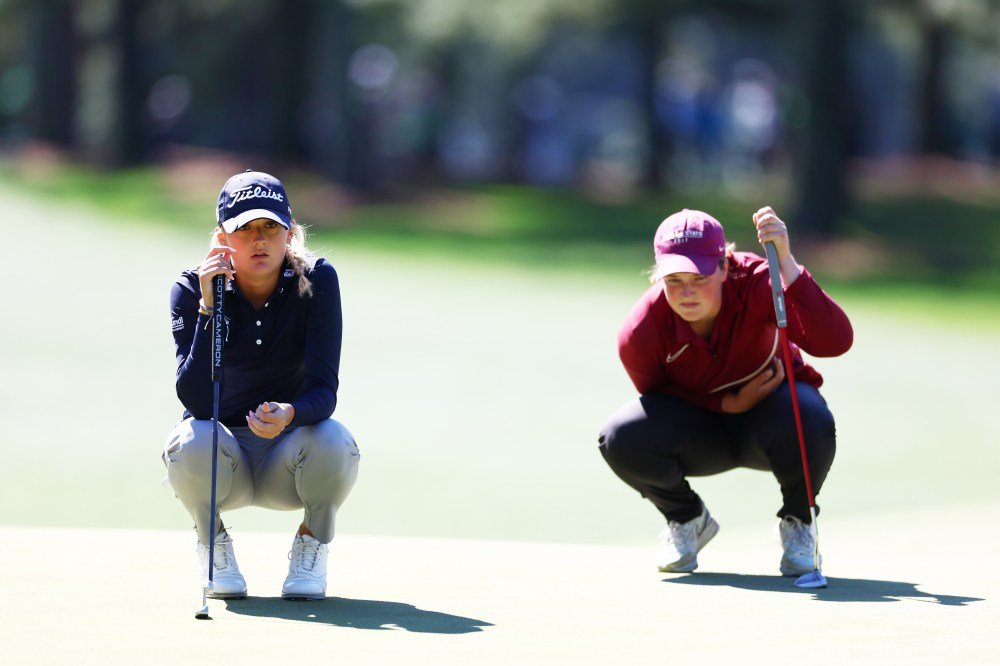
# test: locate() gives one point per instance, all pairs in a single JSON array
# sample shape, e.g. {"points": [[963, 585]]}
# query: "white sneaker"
{"points": [[799, 546], [680, 543], [306, 570], [227, 581]]}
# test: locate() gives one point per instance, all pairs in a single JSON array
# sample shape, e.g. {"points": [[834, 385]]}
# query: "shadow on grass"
{"points": [[357, 614], [840, 589]]}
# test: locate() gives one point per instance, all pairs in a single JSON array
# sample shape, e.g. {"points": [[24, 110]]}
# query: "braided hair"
{"points": [[300, 258]]}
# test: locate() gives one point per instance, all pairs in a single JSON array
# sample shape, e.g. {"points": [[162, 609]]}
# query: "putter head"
{"points": [[811, 581], [202, 613]]}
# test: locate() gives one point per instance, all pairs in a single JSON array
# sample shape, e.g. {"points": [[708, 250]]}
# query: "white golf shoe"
{"points": [[681, 542], [227, 581], [799, 547], [306, 569]]}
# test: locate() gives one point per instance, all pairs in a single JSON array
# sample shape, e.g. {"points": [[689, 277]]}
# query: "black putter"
{"points": [[219, 287]]}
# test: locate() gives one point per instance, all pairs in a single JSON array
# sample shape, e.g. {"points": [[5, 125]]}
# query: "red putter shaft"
{"points": [[815, 579], [783, 333], [781, 315]]}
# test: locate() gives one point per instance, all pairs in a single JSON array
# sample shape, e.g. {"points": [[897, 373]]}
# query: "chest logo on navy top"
{"points": [[288, 272], [176, 323], [673, 357]]}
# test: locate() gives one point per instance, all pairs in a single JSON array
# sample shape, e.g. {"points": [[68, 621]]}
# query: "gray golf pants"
{"points": [[311, 467]]}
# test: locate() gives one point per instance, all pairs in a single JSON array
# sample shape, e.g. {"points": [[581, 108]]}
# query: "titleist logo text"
{"points": [[254, 193]]}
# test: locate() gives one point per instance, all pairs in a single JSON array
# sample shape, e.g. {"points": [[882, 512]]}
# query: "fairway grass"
{"points": [[475, 390]]}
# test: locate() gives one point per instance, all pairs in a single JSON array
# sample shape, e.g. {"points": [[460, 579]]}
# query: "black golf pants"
{"points": [[655, 442]]}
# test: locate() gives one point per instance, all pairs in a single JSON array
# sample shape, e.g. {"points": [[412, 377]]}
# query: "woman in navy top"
{"points": [[279, 448]]}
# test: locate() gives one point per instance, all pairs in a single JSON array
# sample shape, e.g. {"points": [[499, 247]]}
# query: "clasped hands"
{"points": [[270, 419]]}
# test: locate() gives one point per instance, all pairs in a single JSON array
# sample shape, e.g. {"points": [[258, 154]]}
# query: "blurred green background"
{"points": [[487, 178]]}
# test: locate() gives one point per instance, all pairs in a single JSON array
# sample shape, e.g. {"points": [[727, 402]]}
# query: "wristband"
{"points": [[204, 309]]}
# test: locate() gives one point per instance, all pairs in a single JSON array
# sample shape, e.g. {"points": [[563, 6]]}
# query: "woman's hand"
{"points": [[216, 262], [755, 390], [270, 419], [771, 229]]}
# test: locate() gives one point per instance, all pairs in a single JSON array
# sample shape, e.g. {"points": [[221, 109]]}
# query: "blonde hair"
{"points": [[299, 257]]}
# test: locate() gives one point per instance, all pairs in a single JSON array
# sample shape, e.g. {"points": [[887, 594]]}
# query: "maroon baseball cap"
{"points": [[688, 241]]}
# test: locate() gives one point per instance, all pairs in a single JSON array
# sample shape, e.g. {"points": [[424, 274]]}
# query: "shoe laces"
{"points": [[221, 553], [679, 533], [304, 555], [798, 537]]}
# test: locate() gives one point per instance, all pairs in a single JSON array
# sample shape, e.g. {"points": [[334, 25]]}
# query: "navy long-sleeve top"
{"points": [[288, 351]]}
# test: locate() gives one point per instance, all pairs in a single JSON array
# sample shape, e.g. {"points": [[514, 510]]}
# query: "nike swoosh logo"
{"points": [[673, 357]]}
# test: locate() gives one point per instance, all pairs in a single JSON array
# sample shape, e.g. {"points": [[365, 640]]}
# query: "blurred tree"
{"points": [[342, 125], [517, 26], [649, 21], [130, 138], [271, 55], [936, 131], [293, 79], [941, 25], [477, 48], [821, 143], [236, 71], [289, 23], [268, 79], [52, 56]]}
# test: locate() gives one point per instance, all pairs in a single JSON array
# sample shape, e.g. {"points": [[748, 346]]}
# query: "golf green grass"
{"points": [[129, 597], [474, 388]]}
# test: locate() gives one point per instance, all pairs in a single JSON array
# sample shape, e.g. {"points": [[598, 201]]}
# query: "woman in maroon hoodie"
{"points": [[702, 348]]}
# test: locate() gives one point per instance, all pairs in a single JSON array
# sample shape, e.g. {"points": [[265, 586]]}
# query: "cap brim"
{"points": [[234, 223], [679, 263]]}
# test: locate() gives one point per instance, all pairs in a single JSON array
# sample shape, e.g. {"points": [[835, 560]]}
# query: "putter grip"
{"points": [[777, 293], [218, 319]]}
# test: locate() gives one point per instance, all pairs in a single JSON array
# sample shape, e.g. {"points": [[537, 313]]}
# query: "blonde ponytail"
{"points": [[299, 258]]}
